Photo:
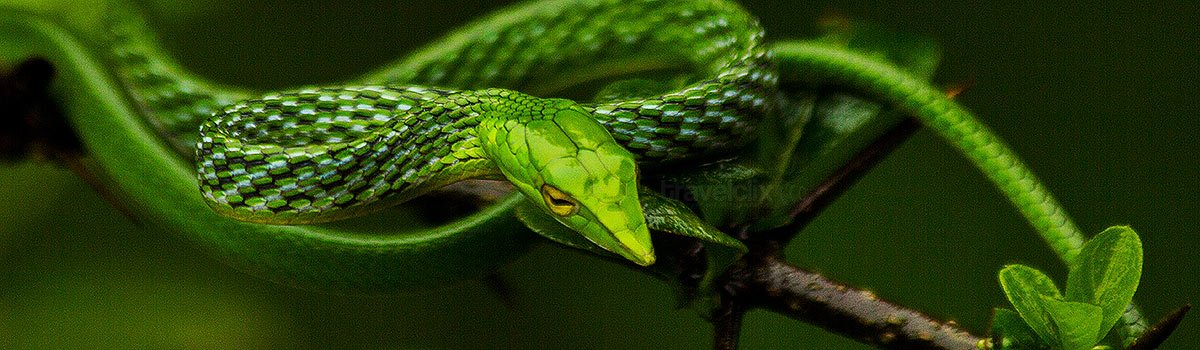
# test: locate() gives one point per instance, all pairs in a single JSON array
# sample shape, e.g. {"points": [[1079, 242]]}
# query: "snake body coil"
{"points": [[315, 155], [323, 146]]}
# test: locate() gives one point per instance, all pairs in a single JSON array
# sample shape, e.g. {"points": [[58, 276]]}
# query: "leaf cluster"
{"points": [[1100, 285]]}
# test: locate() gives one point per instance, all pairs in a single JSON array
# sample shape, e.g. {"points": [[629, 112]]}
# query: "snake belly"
{"points": [[321, 154]]}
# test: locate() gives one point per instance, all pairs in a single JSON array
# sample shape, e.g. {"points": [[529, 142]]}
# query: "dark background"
{"points": [[1100, 100]]}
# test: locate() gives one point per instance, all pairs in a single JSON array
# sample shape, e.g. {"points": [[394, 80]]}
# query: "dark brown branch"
{"points": [[773, 284]]}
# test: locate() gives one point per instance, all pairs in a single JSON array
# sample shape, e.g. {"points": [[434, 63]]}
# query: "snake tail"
{"points": [[825, 63], [813, 62]]}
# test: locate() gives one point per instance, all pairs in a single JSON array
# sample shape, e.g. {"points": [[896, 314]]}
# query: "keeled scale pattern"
{"points": [[545, 43], [527, 48], [294, 157]]}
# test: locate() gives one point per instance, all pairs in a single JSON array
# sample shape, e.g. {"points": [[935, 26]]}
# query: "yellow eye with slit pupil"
{"points": [[559, 202]]}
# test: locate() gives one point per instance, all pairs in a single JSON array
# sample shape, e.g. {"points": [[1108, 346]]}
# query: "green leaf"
{"points": [[667, 215], [1074, 324], [1025, 288], [1010, 332], [1107, 273]]}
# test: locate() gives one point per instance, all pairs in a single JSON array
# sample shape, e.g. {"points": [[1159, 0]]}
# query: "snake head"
{"points": [[571, 166]]}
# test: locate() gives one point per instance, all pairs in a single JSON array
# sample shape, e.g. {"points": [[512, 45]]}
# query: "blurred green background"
{"points": [[1100, 100]]}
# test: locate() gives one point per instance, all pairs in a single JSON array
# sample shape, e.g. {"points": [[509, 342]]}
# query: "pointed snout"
{"points": [[626, 226], [636, 245]]}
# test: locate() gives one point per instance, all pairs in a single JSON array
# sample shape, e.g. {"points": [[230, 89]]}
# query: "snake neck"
{"points": [[319, 155]]}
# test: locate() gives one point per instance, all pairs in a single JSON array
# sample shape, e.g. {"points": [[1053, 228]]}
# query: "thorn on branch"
{"points": [[1161, 330], [840, 181]]}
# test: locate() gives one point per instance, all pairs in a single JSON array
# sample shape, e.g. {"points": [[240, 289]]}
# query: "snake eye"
{"points": [[559, 202]]}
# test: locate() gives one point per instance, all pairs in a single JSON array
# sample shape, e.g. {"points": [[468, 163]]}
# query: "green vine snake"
{"points": [[310, 155], [318, 154], [468, 106]]}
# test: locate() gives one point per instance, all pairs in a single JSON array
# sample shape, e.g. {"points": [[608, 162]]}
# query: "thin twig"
{"points": [[837, 183], [763, 279], [1161, 330]]}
